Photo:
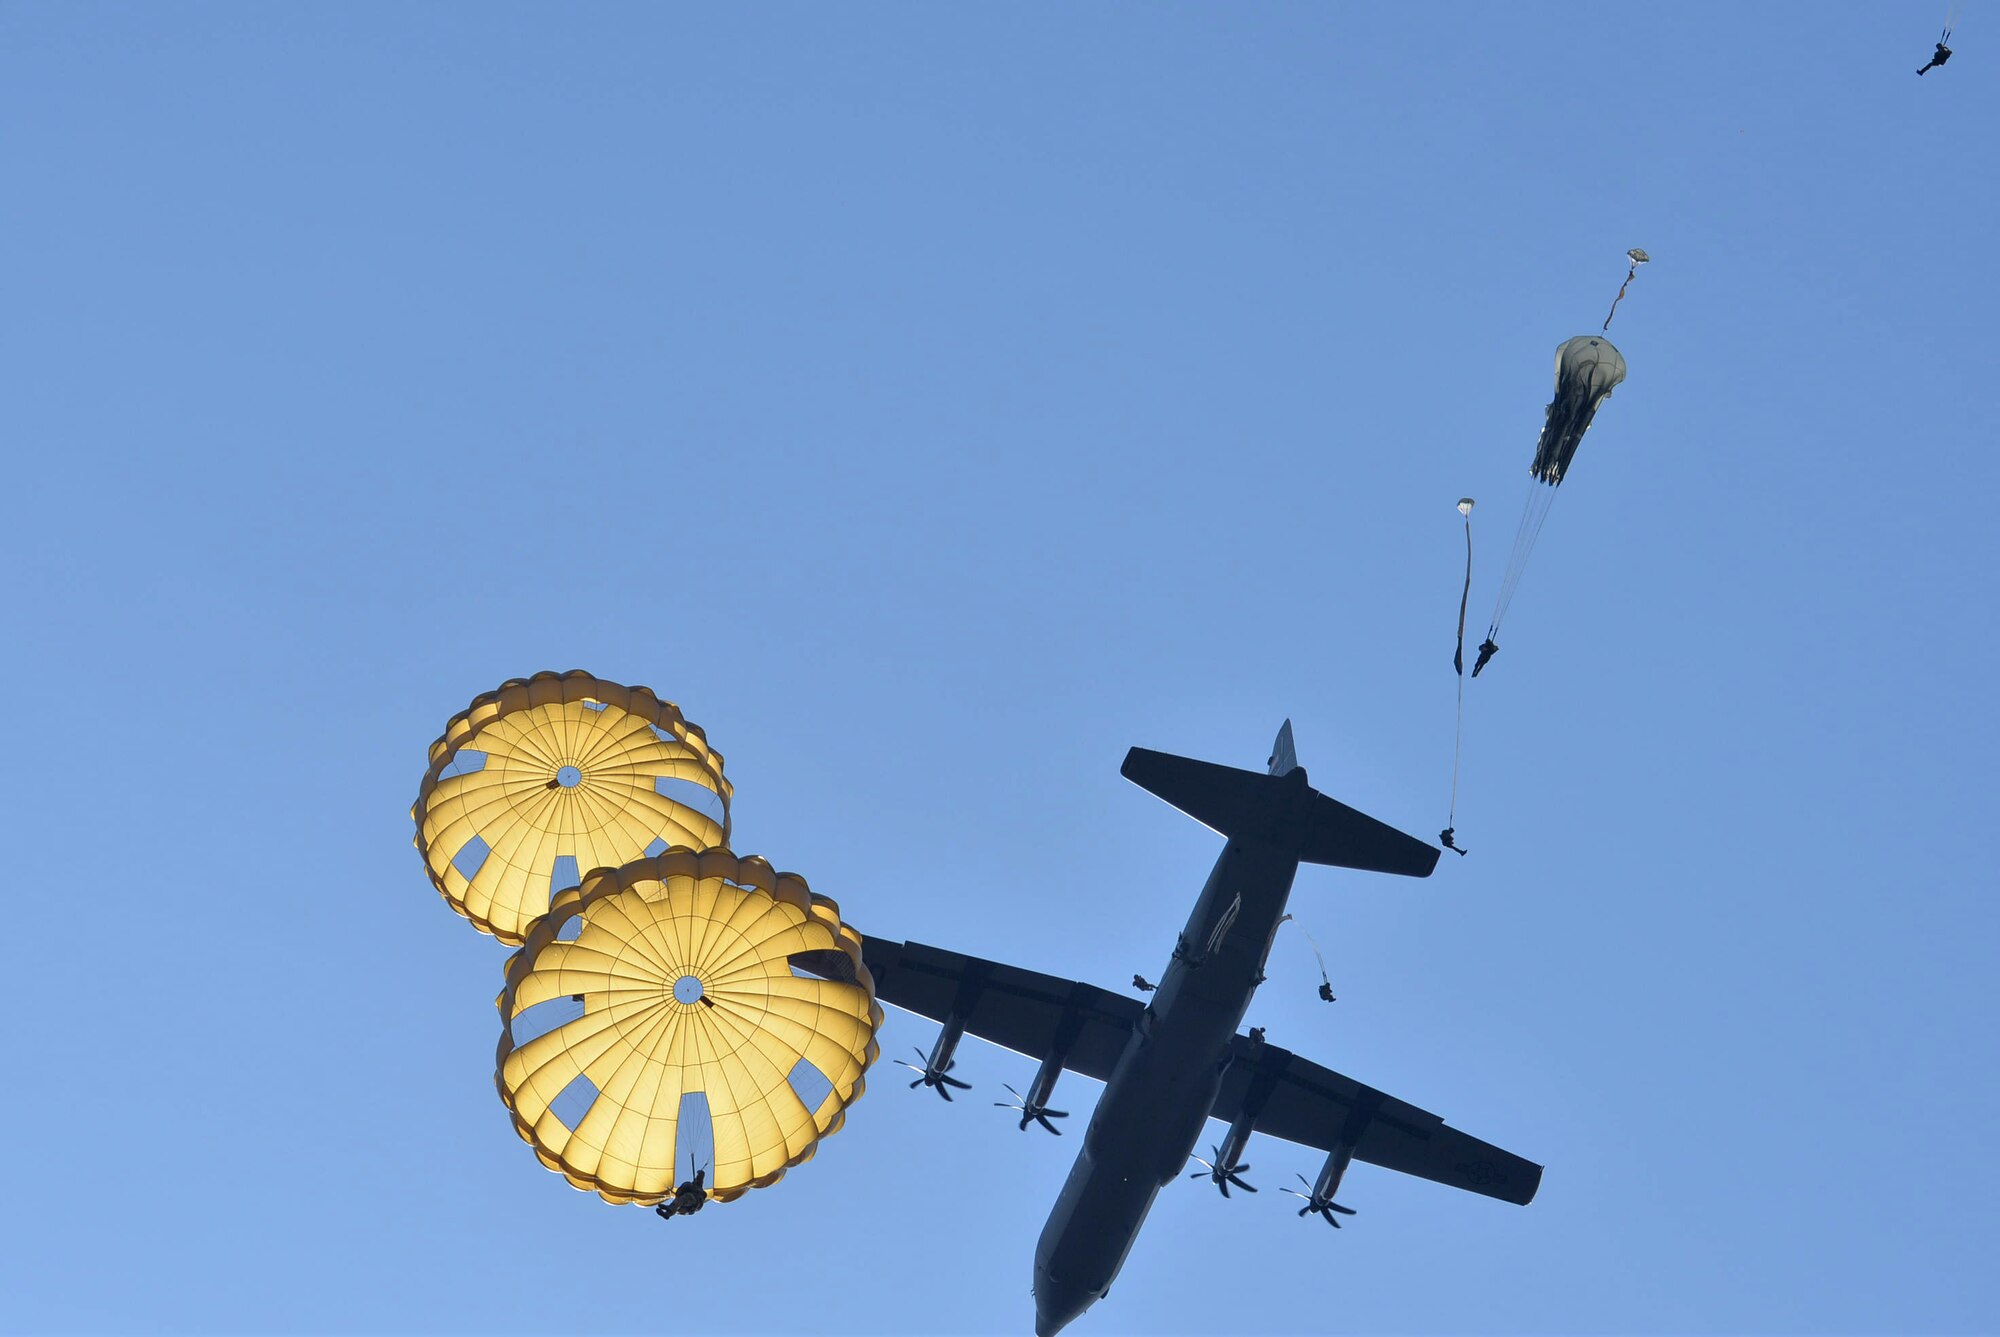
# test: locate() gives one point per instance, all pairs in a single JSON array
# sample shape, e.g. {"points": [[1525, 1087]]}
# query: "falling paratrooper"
{"points": [[1588, 369], [1943, 52]]}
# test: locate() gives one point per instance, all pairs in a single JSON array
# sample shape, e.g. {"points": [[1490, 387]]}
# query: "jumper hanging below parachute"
{"points": [[1941, 55], [1588, 368]]}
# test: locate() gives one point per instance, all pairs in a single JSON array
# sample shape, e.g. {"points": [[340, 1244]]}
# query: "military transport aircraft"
{"points": [[1171, 1065]]}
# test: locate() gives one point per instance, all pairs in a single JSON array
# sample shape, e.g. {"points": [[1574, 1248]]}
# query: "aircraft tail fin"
{"points": [[1284, 757], [1279, 809]]}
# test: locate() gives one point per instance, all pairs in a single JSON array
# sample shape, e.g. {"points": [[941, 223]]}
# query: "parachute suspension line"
{"points": [[1637, 257], [1458, 655], [1458, 661], [1534, 512]]}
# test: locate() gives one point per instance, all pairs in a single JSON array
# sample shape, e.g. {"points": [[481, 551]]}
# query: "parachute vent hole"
{"points": [[574, 1101], [569, 777], [810, 1085], [694, 1138], [471, 857], [532, 1023], [691, 795], [589, 704], [467, 762], [687, 990]]}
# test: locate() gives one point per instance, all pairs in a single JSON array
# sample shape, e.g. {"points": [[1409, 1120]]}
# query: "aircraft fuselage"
{"points": [[1159, 1096]]}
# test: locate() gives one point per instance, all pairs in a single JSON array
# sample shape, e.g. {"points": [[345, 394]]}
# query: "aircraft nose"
{"points": [[1056, 1303]]}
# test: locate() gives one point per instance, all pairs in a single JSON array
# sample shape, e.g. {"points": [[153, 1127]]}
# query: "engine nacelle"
{"points": [[1044, 1086], [947, 1044], [1231, 1151], [1331, 1173]]}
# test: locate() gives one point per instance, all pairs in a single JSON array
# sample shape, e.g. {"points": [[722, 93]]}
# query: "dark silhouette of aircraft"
{"points": [[1173, 1063]]}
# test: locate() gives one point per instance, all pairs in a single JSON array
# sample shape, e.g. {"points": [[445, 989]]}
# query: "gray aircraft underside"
{"points": [[1171, 1065]]}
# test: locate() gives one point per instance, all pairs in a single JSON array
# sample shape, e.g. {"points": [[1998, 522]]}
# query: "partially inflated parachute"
{"points": [[658, 1020], [537, 783], [1588, 368]]}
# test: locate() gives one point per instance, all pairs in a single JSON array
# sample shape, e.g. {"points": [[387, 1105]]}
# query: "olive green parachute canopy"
{"points": [[654, 1025], [1588, 368], [539, 782]]}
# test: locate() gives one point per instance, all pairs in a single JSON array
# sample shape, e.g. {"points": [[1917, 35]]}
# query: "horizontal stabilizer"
{"points": [[1278, 810]]}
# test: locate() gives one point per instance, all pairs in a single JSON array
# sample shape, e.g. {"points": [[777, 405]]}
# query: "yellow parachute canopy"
{"points": [[654, 1025], [551, 776]]}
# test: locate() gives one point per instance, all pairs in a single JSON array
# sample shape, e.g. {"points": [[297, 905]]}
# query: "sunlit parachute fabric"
{"points": [[539, 782], [1588, 368], [654, 1023]]}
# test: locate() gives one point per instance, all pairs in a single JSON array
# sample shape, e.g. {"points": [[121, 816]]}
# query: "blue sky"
{"points": [[936, 401]]}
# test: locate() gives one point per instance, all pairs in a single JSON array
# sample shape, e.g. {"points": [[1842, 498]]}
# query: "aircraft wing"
{"points": [[1021, 1010], [1299, 1101]]}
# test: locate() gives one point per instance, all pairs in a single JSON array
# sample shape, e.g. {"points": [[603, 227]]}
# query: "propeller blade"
{"points": [[1043, 1119], [1303, 1210], [1057, 1114], [1344, 1211], [953, 1081]]}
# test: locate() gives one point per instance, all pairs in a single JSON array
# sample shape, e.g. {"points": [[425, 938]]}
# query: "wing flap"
{"points": [[1300, 1101], [1022, 1010]]}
